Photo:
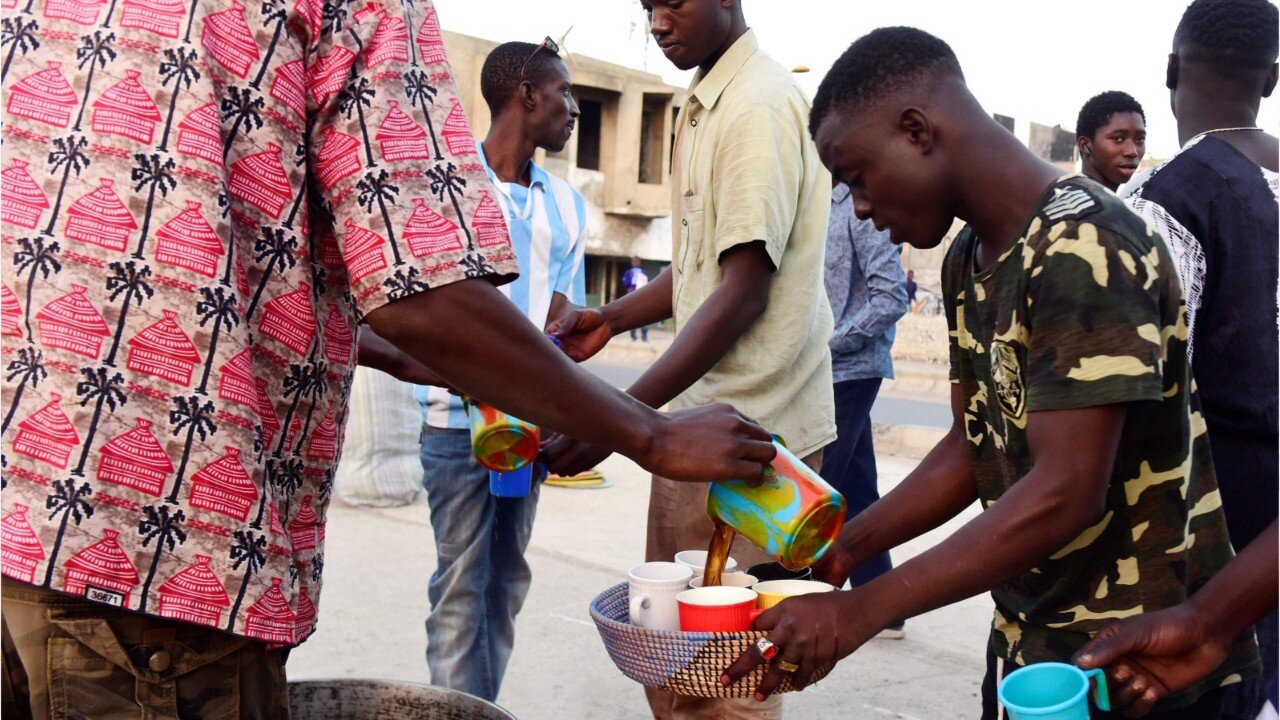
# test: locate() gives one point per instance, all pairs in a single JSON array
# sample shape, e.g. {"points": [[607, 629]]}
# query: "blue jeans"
{"points": [[482, 578], [849, 463]]}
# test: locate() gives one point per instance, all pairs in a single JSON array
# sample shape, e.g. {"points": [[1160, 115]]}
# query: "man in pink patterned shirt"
{"points": [[202, 203]]}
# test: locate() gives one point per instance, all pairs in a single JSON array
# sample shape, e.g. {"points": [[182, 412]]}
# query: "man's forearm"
{"points": [[1007, 540], [446, 327], [940, 488], [646, 306], [1244, 590], [703, 341]]}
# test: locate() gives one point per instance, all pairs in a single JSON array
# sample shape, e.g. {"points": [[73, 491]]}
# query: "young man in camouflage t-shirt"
{"points": [[1075, 422]]}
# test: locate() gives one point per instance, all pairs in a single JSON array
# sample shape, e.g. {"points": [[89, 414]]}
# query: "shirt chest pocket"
{"points": [[691, 251]]}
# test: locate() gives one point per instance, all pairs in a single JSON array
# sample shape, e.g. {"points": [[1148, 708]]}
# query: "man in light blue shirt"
{"points": [[482, 578], [868, 295]]}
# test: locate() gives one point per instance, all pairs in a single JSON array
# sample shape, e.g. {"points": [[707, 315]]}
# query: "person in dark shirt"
{"points": [[1215, 204], [912, 288], [1111, 133]]}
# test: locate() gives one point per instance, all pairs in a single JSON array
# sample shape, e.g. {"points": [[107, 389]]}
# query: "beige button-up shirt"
{"points": [[747, 171]]}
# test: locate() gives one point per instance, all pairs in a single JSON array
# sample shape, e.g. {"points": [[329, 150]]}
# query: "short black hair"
{"points": [[1099, 109], [1235, 33], [882, 61], [500, 76]]}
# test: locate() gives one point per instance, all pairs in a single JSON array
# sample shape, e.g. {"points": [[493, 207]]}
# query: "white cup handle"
{"points": [[638, 603]]}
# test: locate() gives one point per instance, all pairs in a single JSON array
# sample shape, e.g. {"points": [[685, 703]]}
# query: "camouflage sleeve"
{"points": [[1095, 319]]}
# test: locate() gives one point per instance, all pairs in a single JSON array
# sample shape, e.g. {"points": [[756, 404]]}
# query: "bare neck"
{"points": [[509, 150]]}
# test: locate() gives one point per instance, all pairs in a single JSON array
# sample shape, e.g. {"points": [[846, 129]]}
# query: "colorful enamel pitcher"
{"points": [[794, 516], [500, 442]]}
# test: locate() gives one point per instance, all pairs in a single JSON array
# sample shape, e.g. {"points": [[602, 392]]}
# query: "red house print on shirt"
{"points": [[10, 312], [45, 97], [72, 323], [194, 595], [306, 617], [260, 180], [428, 232], [339, 341], [312, 12], [20, 548], [47, 435], [430, 40], [80, 12], [189, 241], [102, 572], [22, 201], [290, 87], [266, 413], [329, 74], [291, 319], [400, 138], [100, 218], [363, 255], [226, 37], [271, 619], [127, 110], [390, 40], [136, 460], [274, 524], [339, 157], [488, 222], [236, 380], [303, 528], [324, 439], [162, 350], [457, 132], [224, 487], [200, 134], [162, 17]]}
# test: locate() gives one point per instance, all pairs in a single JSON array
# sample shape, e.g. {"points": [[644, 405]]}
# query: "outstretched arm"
{"points": [[1062, 495], [470, 335], [1153, 655]]}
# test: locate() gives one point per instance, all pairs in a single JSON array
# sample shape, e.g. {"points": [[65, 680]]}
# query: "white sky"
{"points": [[1023, 58]]}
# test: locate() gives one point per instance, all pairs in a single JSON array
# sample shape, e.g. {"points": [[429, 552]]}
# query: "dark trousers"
{"points": [[849, 463], [1208, 707]]}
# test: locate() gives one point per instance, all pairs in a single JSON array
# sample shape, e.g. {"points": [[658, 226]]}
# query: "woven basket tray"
{"points": [[684, 663]]}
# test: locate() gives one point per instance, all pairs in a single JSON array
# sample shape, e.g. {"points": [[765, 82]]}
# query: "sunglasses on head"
{"points": [[547, 44]]}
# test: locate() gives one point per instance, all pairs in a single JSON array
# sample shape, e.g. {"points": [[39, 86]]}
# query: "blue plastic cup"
{"points": [[517, 483], [1052, 691]]}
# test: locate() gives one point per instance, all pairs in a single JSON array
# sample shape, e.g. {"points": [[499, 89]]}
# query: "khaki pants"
{"points": [[678, 521], [64, 657]]}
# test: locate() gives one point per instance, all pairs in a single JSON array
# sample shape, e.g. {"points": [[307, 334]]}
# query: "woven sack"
{"points": [[380, 458]]}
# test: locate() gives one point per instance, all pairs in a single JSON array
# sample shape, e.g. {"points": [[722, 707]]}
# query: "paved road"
{"points": [[887, 410]]}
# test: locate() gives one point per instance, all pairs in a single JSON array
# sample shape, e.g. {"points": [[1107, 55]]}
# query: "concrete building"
{"points": [[619, 158]]}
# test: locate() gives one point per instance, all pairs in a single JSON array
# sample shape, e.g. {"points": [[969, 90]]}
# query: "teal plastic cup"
{"points": [[1052, 691]]}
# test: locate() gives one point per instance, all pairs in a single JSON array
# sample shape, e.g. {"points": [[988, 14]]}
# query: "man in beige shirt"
{"points": [[750, 206]]}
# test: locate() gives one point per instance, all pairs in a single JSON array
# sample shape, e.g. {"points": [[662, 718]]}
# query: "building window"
{"points": [[589, 132], [651, 138]]}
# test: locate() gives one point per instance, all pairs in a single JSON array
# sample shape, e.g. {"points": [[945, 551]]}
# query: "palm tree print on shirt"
{"points": [[165, 527], [246, 551], [195, 416], [356, 96], [129, 280], [68, 154], [420, 91], [178, 69], [71, 501], [19, 35], [95, 51], [103, 390], [243, 109], [280, 251], [33, 257], [29, 365], [154, 174], [218, 307], [376, 189]]}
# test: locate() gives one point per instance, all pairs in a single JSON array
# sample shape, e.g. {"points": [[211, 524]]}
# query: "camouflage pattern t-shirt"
{"points": [[1085, 310]]}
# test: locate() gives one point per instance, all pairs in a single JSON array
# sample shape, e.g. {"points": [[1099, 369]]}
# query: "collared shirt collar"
{"points": [[707, 89], [840, 193], [536, 174]]}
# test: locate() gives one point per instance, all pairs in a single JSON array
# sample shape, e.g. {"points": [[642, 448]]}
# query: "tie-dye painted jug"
{"points": [[794, 516], [499, 441]]}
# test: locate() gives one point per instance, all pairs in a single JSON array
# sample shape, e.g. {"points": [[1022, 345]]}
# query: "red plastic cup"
{"points": [[717, 609]]}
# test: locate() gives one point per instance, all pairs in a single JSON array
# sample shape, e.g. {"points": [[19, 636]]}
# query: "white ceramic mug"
{"points": [[697, 560], [736, 579], [651, 590]]}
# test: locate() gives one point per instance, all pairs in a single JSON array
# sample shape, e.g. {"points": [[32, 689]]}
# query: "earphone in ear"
{"points": [[1087, 151]]}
